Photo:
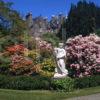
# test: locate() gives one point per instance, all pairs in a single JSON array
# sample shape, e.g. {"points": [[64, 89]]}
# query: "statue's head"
{"points": [[61, 45]]}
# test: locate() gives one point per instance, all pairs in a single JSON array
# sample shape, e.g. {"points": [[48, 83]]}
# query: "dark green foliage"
{"points": [[4, 64], [10, 20], [46, 83], [7, 41], [24, 82], [97, 32], [12, 26], [69, 84], [62, 31], [65, 84], [51, 37], [83, 18], [86, 82]]}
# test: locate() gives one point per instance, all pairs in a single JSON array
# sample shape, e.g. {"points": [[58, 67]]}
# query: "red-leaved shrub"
{"points": [[16, 48]]}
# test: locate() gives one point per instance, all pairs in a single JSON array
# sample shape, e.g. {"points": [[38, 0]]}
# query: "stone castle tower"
{"points": [[39, 25]]}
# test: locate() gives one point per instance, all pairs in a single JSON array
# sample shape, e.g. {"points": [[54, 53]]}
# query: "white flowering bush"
{"points": [[83, 55]]}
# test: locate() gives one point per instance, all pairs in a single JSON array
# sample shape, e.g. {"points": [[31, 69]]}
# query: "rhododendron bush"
{"points": [[45, 48], [83, 55], [43, 44]]}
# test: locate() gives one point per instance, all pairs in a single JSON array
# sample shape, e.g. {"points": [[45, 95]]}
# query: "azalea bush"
{"points": [[19, 48], [27, 62], [83, 55], [30, 62], [20, 65]]}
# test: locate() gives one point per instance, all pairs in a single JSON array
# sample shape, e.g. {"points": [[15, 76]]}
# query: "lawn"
{"points": [[44, 95]]}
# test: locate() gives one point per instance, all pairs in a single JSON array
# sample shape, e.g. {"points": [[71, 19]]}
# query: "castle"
{"points": [[39, 25]]}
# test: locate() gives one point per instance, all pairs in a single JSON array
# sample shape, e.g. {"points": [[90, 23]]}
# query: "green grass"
{"points": [[44, 95]]}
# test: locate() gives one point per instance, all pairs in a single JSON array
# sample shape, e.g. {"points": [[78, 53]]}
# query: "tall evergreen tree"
{"points": [[83, 19]]}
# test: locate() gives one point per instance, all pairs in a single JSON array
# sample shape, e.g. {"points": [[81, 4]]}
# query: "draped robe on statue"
{"points": [[60, 70]]}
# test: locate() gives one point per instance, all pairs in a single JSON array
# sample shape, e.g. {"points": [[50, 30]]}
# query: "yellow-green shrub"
{"points": [[48, 66], [35, 55]]}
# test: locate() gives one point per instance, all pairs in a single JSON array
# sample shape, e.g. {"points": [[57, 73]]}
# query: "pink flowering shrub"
{"points": [[20, 65], [41, 44], [83, 55], [44, 48]]}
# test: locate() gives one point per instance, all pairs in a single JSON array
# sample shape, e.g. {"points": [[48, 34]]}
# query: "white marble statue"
{"points": [[60, 55]]}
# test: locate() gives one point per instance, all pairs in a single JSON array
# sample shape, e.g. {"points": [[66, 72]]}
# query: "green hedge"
{"points": [[87, 82], [69, 84], [65, 84], [46, 83], [24, 82]]}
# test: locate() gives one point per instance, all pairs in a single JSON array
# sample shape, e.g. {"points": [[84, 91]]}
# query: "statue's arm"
{"points": [[64, 53]]}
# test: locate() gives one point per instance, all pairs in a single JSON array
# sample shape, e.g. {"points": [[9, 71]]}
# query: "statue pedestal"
{"points": [[57, 75]]}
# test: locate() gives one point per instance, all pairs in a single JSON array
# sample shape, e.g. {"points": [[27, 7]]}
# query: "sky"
{"points": [[46, 8]]}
